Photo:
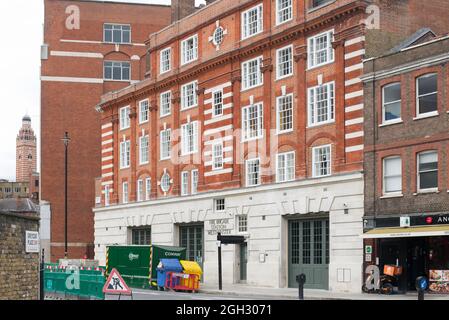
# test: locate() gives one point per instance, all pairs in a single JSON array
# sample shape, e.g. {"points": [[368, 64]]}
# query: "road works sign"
{"points": [[116, 285]]}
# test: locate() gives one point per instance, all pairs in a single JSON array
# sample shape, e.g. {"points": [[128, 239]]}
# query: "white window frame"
{"points": [[121, 27], [247, 172], [431, 113], [285, 155], [314, 161], [216, 204], [246, 122], [245, 74], [278, 62], [385, 177], [122, 78], [184, 56], [216, 104], [186, 148], [162, 97], [418, 179], [312, 53], [125, 192], [216, 158], [184, 183], [278, 113], [163, 63], [162, 143], [312, 92], [279, 11], [142, 161], [140, 190], [195, 176], [384, 104], [142, 112], [125, 120], [107, 196], [147, 189], [184, 96], [242, 220], [245, 27], [125, 154]]}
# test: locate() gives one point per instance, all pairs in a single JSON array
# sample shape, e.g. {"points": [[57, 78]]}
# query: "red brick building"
{"points": [[250, 122], [406, 160], [90, 48]]}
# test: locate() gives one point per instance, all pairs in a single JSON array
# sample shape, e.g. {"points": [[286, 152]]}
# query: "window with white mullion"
{"points": [[125, 154], [125, 192], [144, 145], [217, 103], [190, 138], [140, 191], [427, 94], [391, 107], [286, 167], [189, 98], [184, 183], [253, 173], [148, 189], [252, 21], [189, 49], [321, 161], [285, 113], [195, 179], [284, 59], [165, 103], [284, 11], [165, 60], [144, 111], [320, 49], [117, 71], [117, 33], [251, 73], [321, 104], [217, 156], [165, 144], [428, 171], [392, 175], [125, 121], [252, 122]]}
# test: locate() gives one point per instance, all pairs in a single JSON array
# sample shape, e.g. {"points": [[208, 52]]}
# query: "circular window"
{"points": [[218, 36], [165, 182]]}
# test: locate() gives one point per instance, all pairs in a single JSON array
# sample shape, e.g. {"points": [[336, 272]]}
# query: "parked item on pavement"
{"points": [[165, 267], [138, 264]]}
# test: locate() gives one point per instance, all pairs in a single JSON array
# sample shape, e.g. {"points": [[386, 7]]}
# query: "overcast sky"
{"points": [[20, 67]]}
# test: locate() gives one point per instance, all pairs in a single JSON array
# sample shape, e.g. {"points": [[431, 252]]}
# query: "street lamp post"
{"points": [[66, 141]]}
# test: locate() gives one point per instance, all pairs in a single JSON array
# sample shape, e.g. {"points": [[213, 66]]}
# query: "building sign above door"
{"points": [[223, 226]]}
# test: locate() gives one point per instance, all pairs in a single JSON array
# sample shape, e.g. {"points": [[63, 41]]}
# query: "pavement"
{"points": [[309, 294]]}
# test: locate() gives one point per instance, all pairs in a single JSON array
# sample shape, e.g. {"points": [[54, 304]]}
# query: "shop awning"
{"points": [[425, 231]]}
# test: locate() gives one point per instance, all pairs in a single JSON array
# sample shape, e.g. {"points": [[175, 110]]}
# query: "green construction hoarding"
{"points": [[135, 262]]}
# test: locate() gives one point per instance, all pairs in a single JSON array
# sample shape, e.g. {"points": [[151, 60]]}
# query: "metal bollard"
{"points": [[301, 279], [421, 286]]}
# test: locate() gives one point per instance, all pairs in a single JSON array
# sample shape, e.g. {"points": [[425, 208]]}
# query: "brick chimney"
{"points": [[181, 9]]}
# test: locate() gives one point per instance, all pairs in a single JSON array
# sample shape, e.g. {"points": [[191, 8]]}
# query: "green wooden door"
{"points": [[309, 253]]}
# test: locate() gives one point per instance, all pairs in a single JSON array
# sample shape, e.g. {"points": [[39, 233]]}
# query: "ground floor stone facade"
{"points": [[285, 225]]}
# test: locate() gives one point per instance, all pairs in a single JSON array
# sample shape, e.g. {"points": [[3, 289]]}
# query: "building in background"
{"points": [[14, 190], [26, 154], [406, 160], [90, 48], [250, 122]]}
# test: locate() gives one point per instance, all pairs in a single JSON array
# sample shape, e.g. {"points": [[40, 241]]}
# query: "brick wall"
{"points": [[409, 137], [19, 271]]}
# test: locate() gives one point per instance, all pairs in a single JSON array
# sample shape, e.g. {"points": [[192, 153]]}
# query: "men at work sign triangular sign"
{"points": [[116, 285]]}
